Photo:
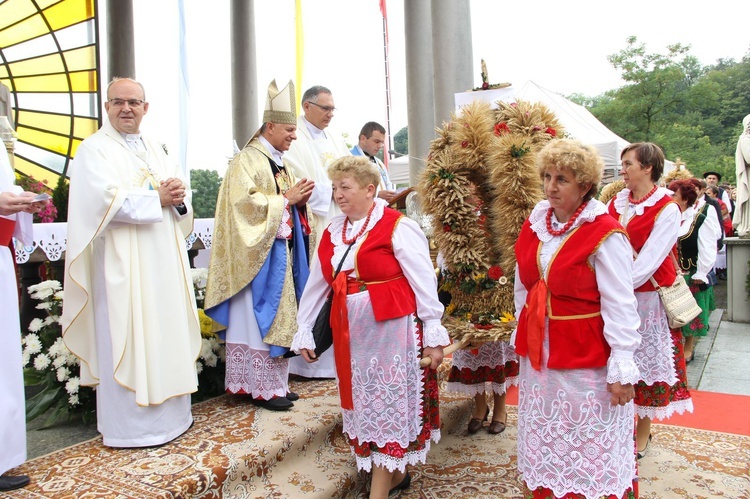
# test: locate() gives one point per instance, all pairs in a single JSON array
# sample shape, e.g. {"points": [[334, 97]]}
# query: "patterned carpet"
{"points": [[234, 450]]}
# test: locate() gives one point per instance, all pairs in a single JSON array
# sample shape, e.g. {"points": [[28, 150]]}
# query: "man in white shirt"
{"points": [[371, 142], [130, 313]]}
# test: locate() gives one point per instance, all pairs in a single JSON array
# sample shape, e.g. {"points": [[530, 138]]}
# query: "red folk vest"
{"points": [[576, 327], [639, 229], [376, 265]]}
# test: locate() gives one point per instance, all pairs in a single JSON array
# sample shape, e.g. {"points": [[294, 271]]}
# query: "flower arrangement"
{"points": [[50, 366], [47, 214], [211, 362]]}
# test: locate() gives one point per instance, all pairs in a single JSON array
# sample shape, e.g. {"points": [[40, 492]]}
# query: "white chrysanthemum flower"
{"points": [[198, 366], [211, 360], [58, 349], [72, 360], [72, 385], [45, 305], [49, 320], [44, 289], [199, 275], [63, 373], [25, 358], [33, 344], [58, 362], [35, 325], [222, 352], [60, 295], [73, 400], [206, 348], [41, 362]]}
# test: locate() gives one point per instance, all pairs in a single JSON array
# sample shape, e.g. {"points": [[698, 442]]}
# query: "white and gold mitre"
{"points": [[280, 105]]}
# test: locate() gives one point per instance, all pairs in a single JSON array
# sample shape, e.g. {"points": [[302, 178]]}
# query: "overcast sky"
{"points": [[562, 46]]}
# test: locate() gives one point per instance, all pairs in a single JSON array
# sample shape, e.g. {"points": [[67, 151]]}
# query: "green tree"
{"points": [[693, 112], [205, 185], [401, 141]]}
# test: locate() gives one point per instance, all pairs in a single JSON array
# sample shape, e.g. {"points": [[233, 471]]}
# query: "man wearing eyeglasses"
{"points": [[129, 311], [316, 147]]}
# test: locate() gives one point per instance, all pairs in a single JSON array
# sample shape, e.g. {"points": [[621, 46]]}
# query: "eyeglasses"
{"points": [[327, 109], [130, 102]]}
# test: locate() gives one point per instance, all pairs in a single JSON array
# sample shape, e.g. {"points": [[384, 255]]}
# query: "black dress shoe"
{"points": [[401, 486], [292, 396], [275, 404], [13, 482]]}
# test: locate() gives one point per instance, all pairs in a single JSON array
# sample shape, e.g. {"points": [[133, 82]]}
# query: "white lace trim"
{"points": [[655, 354], [285, 230], [303, 339], [665, 412], [538, 218], [622, 371], [255, 372], [492, 354], [570, 438], [395, 463], [622, 199], [435, 334], [480, 388]]}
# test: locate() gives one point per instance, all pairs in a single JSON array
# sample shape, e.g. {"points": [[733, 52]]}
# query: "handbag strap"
{"points": [[338, 269], [635, 253]]}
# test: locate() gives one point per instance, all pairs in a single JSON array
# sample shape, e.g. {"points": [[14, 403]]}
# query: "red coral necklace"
{"points": [[639, 201], [361, 231], [569, 223]]}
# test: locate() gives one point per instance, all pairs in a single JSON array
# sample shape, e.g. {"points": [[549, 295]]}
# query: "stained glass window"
{"points": [[49, 61]]}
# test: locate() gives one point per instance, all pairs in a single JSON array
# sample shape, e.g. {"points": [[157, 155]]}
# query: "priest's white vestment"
{"points": [[129, 311]]}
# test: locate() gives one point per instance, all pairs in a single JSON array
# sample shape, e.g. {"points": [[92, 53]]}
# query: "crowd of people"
{"points": [[301, 219]]}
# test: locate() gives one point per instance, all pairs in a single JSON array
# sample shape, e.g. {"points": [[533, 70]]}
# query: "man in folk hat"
{"points": [[259, 257], [713, 178]]}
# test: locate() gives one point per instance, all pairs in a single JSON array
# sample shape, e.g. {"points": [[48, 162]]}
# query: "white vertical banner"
{"points": [[183, 90]]}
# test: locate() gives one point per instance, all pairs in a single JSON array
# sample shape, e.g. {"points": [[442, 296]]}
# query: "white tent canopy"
{"points": [[578, 121]]}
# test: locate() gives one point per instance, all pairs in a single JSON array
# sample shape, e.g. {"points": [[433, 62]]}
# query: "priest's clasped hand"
{"points": [[11, 204], [300, 193], [172, 192]]}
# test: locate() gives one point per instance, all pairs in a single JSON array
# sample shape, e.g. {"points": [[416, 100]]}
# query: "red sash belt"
{"points": [[6, 231], [536, 301], [341, 351]]}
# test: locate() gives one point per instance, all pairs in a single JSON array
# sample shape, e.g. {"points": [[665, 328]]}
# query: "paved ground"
{"points": [[720, 365]]}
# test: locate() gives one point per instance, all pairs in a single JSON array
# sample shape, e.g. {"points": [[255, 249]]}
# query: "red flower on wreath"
{"points": [[485, 85], [551, 131], [495, 273], [465, 144], [501, 129], [447, 228]]}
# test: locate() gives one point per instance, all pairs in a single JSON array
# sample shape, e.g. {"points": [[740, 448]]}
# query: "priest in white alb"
{"points": [[129, 311]]}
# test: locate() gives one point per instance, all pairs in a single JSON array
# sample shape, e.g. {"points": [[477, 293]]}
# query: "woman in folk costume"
{"points": [[576, 343], [491, 368], [16, 207], [385, 318], [652, 220], [697, 255]]}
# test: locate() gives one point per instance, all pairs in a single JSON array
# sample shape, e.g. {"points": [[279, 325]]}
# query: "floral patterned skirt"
{"points": [[495, 363], [705, 299], [545, 493], [660, 400]]}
